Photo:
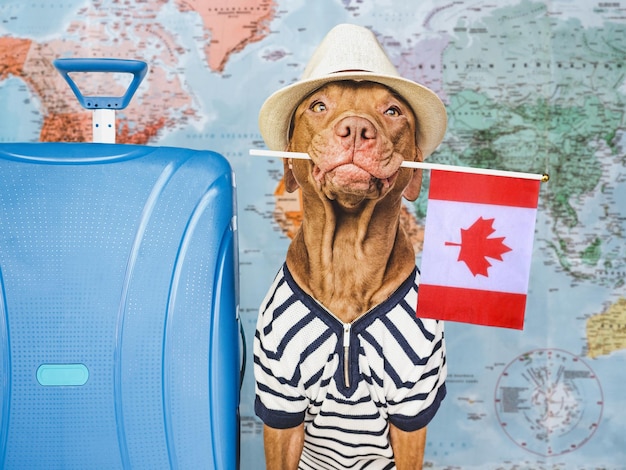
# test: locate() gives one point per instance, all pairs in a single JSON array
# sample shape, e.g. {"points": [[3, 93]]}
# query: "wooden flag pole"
{"points": [[543, 177]]}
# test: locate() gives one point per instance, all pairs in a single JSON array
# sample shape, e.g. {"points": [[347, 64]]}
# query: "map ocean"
{"points": [[529, 86]]}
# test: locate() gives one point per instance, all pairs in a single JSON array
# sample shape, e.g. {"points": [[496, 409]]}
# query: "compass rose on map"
{"points": [[549, 402]]}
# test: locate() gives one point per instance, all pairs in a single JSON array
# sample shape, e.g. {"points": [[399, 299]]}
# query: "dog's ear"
{"points": [[290, 180], [412, 191]]}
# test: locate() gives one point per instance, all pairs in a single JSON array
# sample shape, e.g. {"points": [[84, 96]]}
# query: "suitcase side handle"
{"points": [[137, 68]]}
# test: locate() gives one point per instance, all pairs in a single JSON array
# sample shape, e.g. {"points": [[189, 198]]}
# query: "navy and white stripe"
{"points": [[396, 373]]}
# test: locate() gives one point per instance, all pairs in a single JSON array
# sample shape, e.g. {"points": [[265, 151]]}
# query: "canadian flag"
{"points": [[477, 248]]}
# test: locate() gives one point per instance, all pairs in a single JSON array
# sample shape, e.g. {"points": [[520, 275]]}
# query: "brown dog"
{"points": [[357, 134], [346, 375]]}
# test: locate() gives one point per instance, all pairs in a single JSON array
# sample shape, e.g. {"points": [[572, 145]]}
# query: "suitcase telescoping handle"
{"points": [[103, 106]]}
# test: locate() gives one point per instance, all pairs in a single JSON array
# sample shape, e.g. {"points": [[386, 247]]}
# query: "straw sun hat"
{"points": [[350, 52]]}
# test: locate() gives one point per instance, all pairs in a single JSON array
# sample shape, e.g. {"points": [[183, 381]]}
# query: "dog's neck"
{"points": [[350, 260]]}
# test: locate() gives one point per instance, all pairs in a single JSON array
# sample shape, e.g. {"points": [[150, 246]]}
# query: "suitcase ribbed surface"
{"points": [[118, 332]]}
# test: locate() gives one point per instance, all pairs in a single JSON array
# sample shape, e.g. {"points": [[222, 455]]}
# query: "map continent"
{"points": [[227, 27], [230, 25], [606, 331]]}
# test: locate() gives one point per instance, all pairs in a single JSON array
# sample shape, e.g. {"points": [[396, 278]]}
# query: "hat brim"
{"points": [[277, 111]]}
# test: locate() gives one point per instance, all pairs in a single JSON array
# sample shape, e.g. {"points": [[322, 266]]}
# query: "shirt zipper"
{"points": [[346, 354], [347, 329]]}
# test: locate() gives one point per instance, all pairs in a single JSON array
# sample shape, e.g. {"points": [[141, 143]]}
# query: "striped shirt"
{"points": [[346, 382]]}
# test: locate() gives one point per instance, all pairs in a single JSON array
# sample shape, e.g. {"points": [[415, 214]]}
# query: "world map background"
{"points": [[528, 86]]}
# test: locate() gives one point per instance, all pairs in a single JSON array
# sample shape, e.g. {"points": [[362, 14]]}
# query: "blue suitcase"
{"points": [[119, 343]]}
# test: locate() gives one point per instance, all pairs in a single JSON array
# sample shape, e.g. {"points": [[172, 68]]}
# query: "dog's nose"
{"points": [[355, 130]]}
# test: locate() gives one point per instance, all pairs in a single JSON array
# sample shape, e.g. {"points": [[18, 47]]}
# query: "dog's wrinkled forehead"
{"points": [[351, 83]]}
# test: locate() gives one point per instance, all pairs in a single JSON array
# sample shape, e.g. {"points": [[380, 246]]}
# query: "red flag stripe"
{"points": [[479, 307], [483, 189]]}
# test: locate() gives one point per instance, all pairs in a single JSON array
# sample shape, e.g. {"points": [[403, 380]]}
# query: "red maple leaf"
{"points": [[476, 246]]}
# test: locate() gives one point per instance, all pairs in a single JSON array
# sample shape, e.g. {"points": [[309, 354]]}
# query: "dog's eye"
{"points": [[318, 107], [393, 111]]}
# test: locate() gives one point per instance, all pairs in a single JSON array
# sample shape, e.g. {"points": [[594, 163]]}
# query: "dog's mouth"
{"points": [[351, 179]]}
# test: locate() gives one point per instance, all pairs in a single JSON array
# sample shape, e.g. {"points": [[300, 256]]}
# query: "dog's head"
{"points": [[357, 134]]}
